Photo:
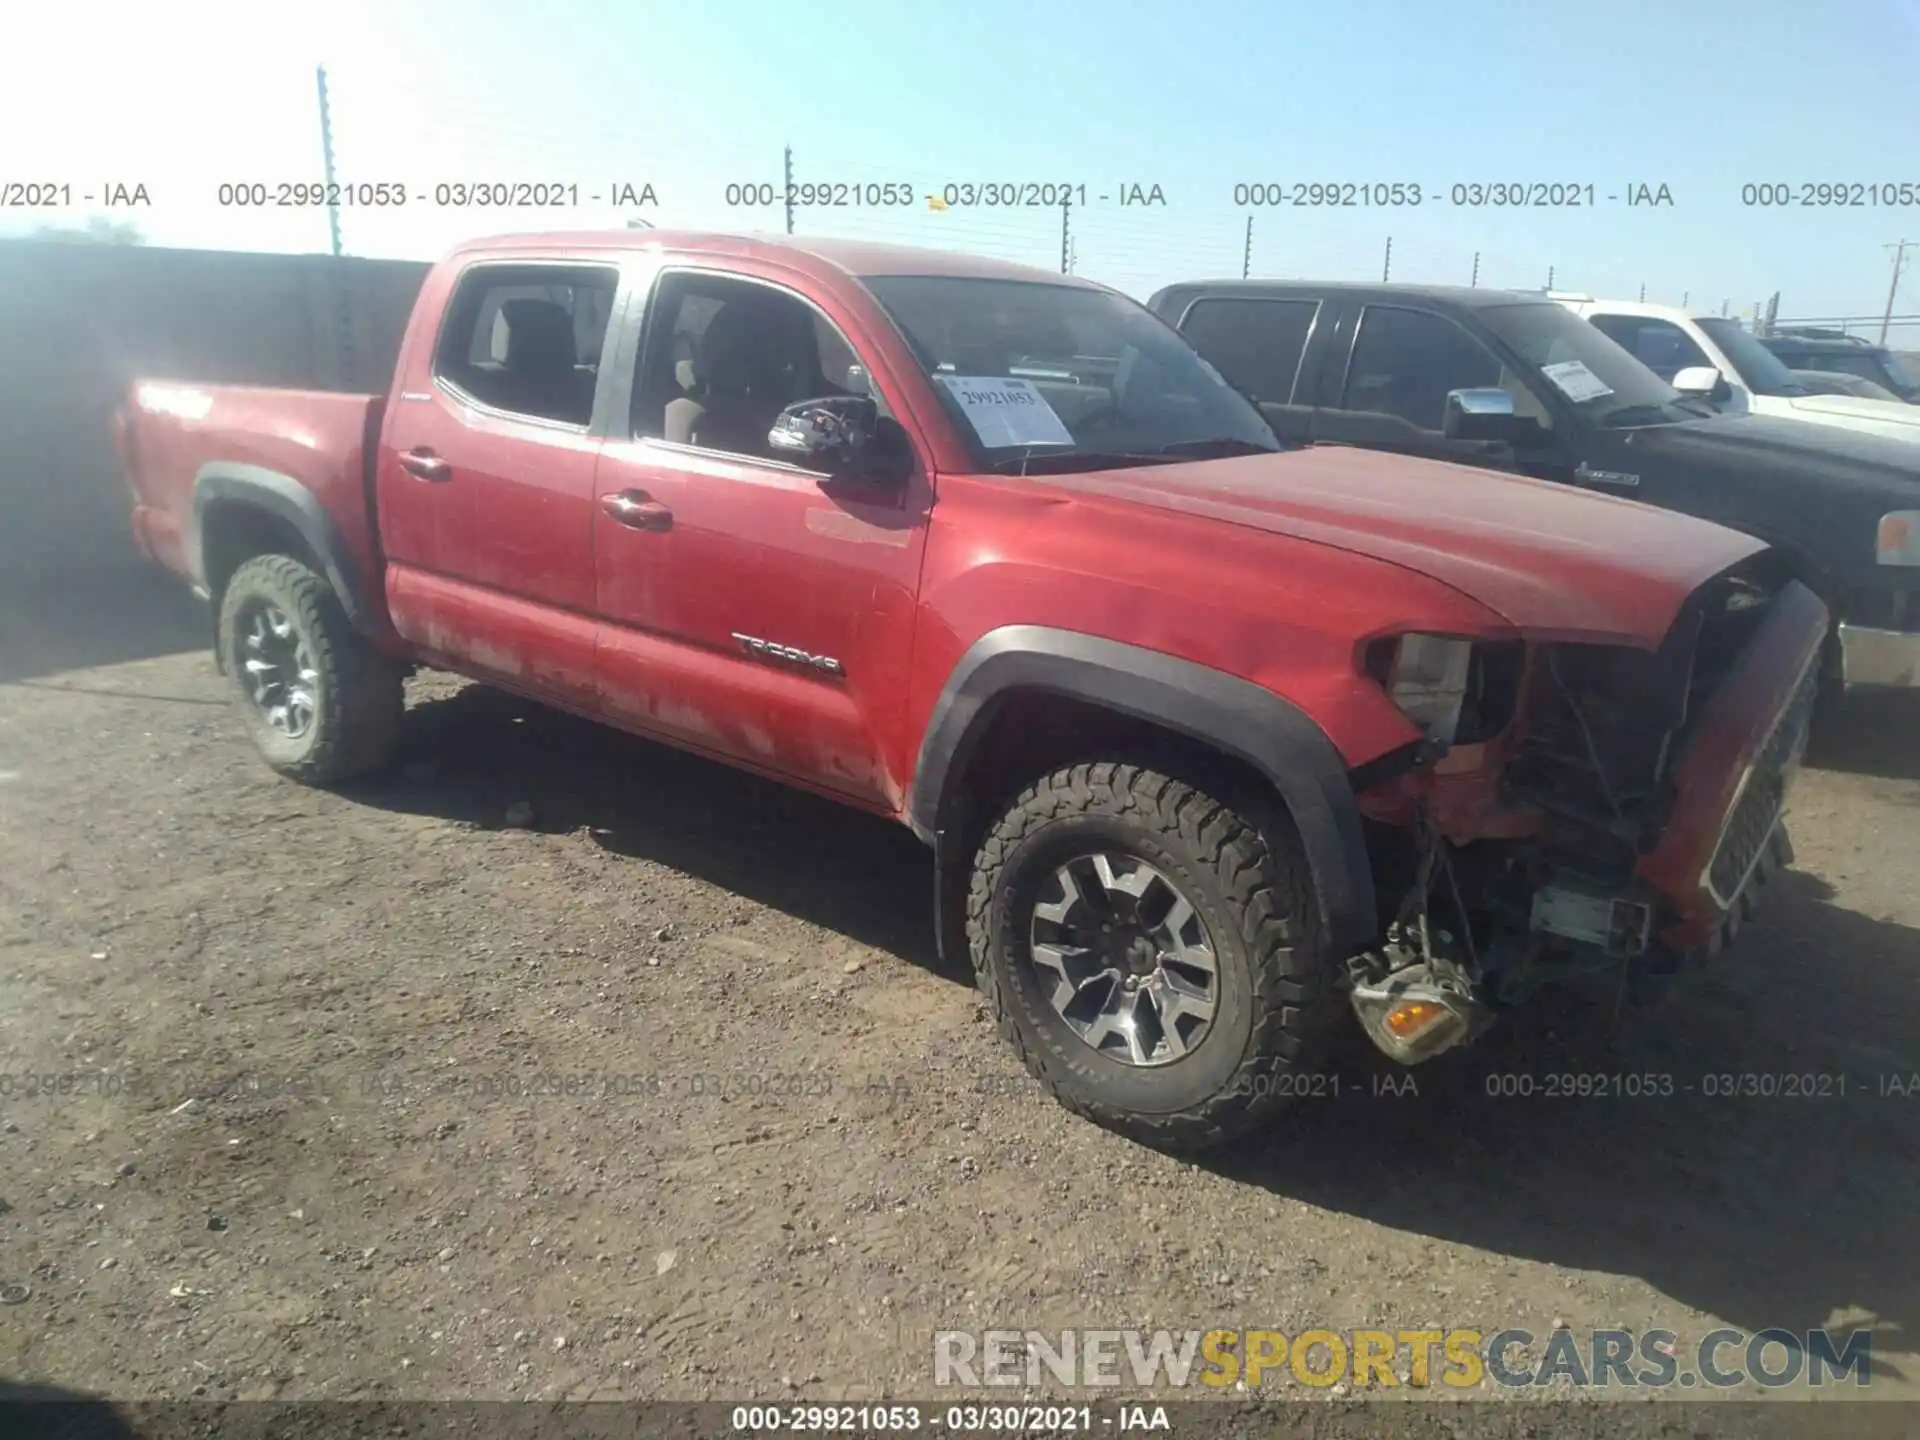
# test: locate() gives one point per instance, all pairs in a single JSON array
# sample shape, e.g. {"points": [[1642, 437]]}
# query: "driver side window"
{"points": [[722, 357], [1404, 362]]}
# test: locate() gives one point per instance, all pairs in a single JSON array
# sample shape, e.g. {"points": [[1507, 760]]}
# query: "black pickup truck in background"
{"points": [[1515, 381], [1804, 349]]}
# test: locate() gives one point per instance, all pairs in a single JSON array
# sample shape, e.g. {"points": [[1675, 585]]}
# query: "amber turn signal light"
{"points": [[1414, 1016]]}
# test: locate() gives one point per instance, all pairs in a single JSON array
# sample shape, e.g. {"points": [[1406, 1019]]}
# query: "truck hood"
{"points": [[1883, 417], [1552, 561]]}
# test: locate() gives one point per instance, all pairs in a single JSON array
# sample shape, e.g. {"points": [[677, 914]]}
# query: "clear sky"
{"points": [[1193, 97]]}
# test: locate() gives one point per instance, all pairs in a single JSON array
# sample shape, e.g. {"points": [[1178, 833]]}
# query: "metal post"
{"points": [[1643, 292], [326, 158], [1066, 236], [1475, 281], [788, 167], [1386, 265], [1549, 277], [1246, 255], [1685, 297], [344, 370], [1899, 259]]}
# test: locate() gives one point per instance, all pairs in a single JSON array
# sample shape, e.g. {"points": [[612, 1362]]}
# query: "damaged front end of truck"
{"points": [[1578, 808]]}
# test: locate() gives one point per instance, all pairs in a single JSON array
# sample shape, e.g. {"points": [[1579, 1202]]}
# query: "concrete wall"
{"points": [[78, 320]]}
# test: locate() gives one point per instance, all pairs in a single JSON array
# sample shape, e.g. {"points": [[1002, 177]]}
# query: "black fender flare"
{"points": [[1233, 715], [228, 482]]}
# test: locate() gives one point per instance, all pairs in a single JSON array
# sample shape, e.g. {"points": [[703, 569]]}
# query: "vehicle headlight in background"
{"points": [[1898, 542], [1427, 676]]}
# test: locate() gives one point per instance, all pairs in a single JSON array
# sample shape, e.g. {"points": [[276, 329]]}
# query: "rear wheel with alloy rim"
{"points": [[1149, 945], [276, 665], [321, 704]]}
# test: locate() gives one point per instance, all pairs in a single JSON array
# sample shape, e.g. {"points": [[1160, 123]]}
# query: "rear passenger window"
{"points": [[1405, 362], [527, 339], [1256, 344]]}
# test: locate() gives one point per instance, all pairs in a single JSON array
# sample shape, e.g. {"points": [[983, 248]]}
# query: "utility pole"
{"points": [[1549, 277], [1246, 255], [1899, 260], [345, 372], [1386, 265], [1475, 281], [1724, 305], [1643, 292], [1066, 236], [789, 188], [1685, 297], [326, 159]]}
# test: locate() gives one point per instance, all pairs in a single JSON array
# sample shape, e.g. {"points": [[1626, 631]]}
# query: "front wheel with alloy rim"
{"points": [[1150, 949], [321, 704]]}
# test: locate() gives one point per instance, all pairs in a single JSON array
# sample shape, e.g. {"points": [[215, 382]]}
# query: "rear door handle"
{"points": [[636, 510], [425, 464]]}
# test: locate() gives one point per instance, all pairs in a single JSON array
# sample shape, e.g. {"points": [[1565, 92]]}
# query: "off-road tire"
{"points": [[1242, 868], [359, 694]]}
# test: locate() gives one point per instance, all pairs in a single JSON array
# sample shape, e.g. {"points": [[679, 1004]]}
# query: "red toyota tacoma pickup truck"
{"points": [[1216, 740]]}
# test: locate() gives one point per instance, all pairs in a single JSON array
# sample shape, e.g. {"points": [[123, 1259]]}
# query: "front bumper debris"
{"points": [[1732, 782]]}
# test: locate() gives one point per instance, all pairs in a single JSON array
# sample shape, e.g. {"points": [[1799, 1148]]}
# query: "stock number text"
{"points": [[828, 194], [287, 194], [1317, 193], [1822, 194]]}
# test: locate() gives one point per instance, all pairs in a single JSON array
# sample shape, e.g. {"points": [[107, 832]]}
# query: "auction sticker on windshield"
{"points": [[1005, 411], [1576, 382]]}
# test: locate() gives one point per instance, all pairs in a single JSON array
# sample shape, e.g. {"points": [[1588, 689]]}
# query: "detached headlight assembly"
{"points": [[1459, 692], [1428, 677], [1898, 540]]}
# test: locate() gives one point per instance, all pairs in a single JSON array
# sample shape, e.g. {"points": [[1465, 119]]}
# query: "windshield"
{"points": [[1763, 372], [1603, 382], [1055, 375]]}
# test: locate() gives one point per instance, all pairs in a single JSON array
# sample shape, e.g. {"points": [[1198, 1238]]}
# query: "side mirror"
{"points": [[1702, 382], [1485, 415], [843, 435]]}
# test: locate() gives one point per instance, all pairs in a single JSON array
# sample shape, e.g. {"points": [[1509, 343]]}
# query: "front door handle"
{"points": [[637, 510], [425, 464]]}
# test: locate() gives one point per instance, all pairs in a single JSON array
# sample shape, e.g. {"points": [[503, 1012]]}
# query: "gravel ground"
{"points": [[559, 1065]]}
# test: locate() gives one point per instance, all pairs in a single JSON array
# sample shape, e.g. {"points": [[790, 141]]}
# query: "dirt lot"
{"points": [[666, 1095]]}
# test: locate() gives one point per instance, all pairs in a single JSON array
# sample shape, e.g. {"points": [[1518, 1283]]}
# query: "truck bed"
{"points": [[171, 432]]}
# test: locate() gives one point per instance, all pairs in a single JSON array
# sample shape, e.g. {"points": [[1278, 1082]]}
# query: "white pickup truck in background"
{"points": [[1718, 360]]}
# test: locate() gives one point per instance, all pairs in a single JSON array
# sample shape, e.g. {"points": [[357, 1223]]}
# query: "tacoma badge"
{"points": [[767, 650]]}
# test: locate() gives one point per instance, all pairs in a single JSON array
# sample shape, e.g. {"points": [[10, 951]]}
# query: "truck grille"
{"points": [[1762, 796]]}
